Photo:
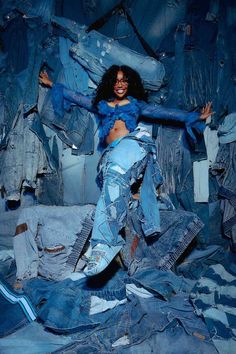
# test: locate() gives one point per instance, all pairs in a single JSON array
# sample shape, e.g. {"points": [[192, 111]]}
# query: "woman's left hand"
{"points": [[206, 111]]}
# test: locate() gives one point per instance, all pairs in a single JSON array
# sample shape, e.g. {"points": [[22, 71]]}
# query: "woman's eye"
{"points": [[122, 81]]}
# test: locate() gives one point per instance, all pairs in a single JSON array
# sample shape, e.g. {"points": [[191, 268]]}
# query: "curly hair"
{"points": [[105, 89]]}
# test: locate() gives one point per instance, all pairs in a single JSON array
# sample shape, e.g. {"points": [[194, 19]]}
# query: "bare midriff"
{"points": [[118, 131]]}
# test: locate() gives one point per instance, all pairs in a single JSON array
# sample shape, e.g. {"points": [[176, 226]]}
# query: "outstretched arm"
{"points": [[64, 98], [192, 120]]}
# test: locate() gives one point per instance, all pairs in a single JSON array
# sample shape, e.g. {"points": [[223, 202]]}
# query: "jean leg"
{"points": [[97, 53], [111, 211]]}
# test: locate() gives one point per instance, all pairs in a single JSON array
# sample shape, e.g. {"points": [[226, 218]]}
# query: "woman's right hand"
{"points": [[44, 79]]}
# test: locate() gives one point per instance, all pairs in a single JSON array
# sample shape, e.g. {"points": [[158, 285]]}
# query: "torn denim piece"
{"points": [[49, 240]]}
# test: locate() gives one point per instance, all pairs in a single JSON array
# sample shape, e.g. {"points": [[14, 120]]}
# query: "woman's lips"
{"points": [[120, 91]]}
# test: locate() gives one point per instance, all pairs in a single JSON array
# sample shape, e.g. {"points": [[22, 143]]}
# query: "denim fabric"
{"points": [[50, 189], [29, 78], [6, 264], [178, 308], [117, 172], [173, 340], [39, 8], [175, 93], [38, 129], [76, 78], [45, 240], [190, 84], [32, 338], [15, 43], [76, 127], [13, 317], [135, 323], [196, 264], [82, 168], [227, 130], [26, 61], [161, 283], [215, 225], [176, 163], [62, 306], [16, 310], [68, 309], [127, 320], [224, 64], [3, 57], [2, 120], [50, 183], [113, 325], [194, 126], [23, 159], [224, 169], [178, 229], [96, 53], [213, 11], [67, 28], [11, 102], [213, 297]]}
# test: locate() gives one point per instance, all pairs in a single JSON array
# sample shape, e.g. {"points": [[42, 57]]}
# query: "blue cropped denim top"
{"points": [[63, 98], [107, 116]]}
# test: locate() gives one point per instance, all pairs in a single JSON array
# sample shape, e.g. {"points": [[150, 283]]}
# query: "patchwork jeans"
{"points": [[112, 205], [125, 162]]}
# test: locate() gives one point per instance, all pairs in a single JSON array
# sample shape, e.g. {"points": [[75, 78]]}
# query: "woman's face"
{"points": [[121, 85]]}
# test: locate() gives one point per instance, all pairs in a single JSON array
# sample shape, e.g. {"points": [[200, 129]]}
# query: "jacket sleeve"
{"points": [[193, 124], [63, 99]]}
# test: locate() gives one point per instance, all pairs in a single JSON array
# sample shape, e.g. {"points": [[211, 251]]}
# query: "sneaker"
{"points": [[100, 258]]}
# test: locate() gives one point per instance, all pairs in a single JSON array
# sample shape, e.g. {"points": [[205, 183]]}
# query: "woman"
{"points": [[129, 156]]}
